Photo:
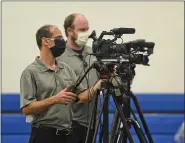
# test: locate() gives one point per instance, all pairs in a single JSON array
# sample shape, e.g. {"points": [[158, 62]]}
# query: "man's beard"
{"points": [[73, 38]]}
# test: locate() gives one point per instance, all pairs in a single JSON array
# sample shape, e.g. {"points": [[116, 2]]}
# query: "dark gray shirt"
{"points": [[38, 83], [81, 112]]}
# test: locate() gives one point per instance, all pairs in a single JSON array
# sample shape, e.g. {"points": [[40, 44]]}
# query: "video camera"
{"points": [[135, 52]]}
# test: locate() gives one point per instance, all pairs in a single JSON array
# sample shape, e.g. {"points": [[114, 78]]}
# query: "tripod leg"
{"points": [[117, 134], [98, 122], [137, 122], [93, 118], [126, 110], [121, 134], [142, 117], [95, 112], [115, 128], [124, 140], [123, 120], [105, 119], [101, 134], [138, 130]]}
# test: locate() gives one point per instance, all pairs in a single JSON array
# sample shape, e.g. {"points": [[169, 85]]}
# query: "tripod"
{"points": [[108, 89], [118, 133], [120, 130]]}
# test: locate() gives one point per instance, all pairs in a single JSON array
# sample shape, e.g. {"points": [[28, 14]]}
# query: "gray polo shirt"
{"points": [[37, 83], [81, 112]]}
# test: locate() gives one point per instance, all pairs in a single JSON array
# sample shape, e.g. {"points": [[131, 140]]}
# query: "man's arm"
{"points": [[37, 107], [87, 95], [28, 100], [63, 97]]}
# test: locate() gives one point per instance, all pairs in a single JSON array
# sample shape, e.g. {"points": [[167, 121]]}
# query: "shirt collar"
{"points": [[44, 68], [70, 52]]}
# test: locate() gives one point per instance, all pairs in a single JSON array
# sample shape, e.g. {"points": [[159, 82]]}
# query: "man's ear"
{"points": [[69, 31], [45, 42]]}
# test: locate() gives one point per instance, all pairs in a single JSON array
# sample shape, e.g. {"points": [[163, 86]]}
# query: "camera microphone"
{"points": [[123, 30]]}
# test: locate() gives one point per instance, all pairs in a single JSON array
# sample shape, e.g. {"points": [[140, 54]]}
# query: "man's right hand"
{"points": [[65, 97]]}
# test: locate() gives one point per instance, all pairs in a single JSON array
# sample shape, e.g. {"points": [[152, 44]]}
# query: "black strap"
{"points": [[83, 60]]}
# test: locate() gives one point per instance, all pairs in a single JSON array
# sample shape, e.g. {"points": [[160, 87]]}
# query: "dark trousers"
{"points": [[48, 135], [79, 134]]}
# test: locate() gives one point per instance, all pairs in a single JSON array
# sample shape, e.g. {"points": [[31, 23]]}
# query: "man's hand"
{"points": [[65, 97]]}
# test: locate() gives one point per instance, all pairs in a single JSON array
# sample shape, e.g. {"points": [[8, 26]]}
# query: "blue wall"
{"points": [[163, 114]]}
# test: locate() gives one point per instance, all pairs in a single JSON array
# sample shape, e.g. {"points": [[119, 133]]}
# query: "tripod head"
{"points": [[118, 69], [107, 69]]}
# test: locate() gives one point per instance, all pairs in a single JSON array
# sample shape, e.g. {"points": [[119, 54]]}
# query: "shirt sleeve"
{"points": [[27, 89]]}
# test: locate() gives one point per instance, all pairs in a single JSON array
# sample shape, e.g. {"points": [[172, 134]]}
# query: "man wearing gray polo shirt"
{"points": [[44, 95], [76, 28]]}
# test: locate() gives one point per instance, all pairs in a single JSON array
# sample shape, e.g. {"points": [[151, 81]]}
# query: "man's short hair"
{"points": [[44, 31], [68, 22]]}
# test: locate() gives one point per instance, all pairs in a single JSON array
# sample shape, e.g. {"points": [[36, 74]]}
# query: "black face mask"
{"points": [[59, 47]]}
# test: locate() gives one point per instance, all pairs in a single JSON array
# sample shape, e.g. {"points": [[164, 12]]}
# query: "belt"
{"points": [[66, 131]]}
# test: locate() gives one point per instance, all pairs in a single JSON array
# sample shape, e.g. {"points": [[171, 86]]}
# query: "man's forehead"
{"points": [[80, 20], [55, 31]]}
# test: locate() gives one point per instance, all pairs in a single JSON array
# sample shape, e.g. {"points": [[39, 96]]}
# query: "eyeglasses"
{"points": [[56, 38]]}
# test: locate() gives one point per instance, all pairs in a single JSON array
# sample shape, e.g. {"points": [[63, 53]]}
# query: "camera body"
{"points": [[136, 51]]}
